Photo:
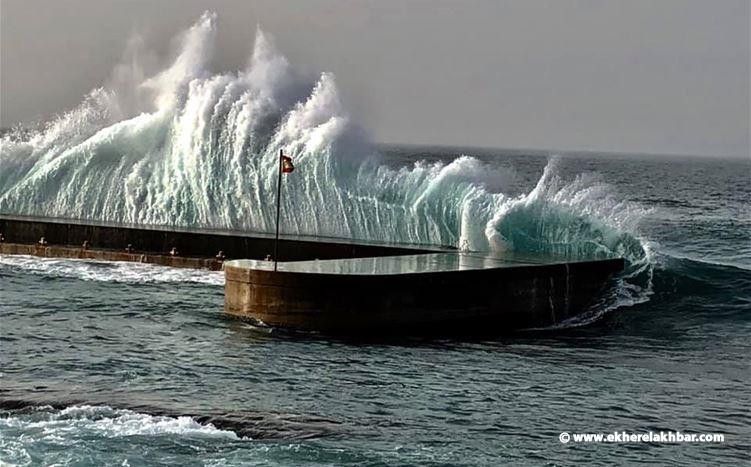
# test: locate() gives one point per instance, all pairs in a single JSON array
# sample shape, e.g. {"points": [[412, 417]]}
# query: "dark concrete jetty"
{"points": [[152, 244], [446, 291], [337, 286]]}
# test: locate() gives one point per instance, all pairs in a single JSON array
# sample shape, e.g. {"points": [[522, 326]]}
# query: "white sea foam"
{"points": [[189, 147], [58, 426], [101, 435], [108, 271]]}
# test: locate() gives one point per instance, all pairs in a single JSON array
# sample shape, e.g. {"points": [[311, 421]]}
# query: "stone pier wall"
{"points": [[195, 243]]}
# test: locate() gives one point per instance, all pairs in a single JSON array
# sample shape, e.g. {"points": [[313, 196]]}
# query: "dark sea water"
{"points": [[125, 364]]}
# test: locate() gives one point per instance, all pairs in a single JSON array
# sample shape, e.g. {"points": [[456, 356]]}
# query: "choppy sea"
{"points": [[127, 364]]}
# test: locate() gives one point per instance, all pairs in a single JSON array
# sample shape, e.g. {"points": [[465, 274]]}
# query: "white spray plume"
{"points": [[202, 151]]}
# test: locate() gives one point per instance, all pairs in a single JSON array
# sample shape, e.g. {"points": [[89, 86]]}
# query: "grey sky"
{"points": [[667, 76]]}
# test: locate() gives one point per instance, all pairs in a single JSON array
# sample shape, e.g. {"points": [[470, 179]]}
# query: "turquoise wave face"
{"points": [[191, 148]]}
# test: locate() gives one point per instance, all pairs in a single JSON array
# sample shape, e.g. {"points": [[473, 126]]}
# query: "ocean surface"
{"points": [[130, 364], [127, 364]]}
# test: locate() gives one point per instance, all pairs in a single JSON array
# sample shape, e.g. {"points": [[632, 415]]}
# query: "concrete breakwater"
{"points": [[57, 251], [421, 294], [195, 248], [335, 286]]}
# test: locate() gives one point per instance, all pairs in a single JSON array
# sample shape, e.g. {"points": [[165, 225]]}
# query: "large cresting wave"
{"points": [[185, 146]]}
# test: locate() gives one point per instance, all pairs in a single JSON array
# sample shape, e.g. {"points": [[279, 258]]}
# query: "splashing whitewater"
{"points": [[189, 147]]}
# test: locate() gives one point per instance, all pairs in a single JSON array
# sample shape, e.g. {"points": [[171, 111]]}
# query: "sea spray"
{"points": [[200, 149]]}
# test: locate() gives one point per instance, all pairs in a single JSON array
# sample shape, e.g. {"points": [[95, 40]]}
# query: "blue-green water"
{"points": [[128, 364], [122, 364]]}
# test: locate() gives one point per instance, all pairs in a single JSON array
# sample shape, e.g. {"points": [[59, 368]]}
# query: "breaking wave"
{"points": [[189, 147], [63, 436], [107, 422]]}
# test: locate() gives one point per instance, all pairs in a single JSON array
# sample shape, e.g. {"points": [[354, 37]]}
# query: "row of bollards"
{"points": [[86, 245]]}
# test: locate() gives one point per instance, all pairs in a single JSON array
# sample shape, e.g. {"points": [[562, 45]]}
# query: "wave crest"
{"points": [[202, 151]]}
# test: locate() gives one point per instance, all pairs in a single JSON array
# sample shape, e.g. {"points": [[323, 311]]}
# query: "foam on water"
{"points": [[106, 271], [107, 422], [190, 147], [24, 432]]}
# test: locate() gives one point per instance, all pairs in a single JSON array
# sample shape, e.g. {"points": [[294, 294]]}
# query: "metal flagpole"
{"points": [[278, 207]]}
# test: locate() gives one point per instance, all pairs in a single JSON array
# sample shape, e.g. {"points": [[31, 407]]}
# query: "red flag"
{"points": [[287, 166]]}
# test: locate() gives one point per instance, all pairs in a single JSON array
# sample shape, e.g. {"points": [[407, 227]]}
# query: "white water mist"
{"points": [[189, 147]]}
